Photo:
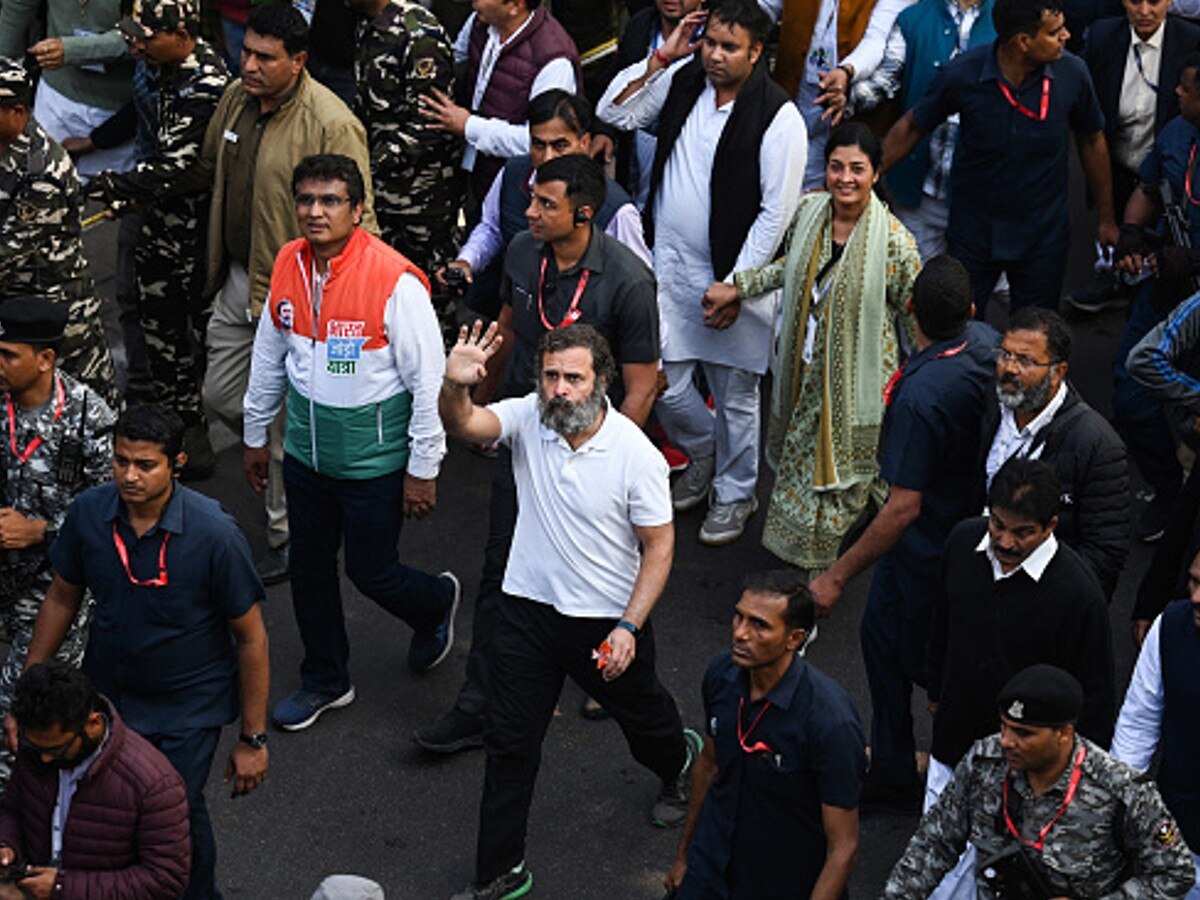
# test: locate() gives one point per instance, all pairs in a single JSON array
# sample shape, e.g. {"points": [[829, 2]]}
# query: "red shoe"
{"points": [[676, 459]]}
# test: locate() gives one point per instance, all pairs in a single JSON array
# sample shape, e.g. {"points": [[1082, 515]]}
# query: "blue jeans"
{"points": [[369, 513], [1137, 413], [191, 753], [234, 34]]}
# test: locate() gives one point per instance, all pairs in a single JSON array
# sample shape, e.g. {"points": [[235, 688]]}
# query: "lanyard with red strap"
{"points": [[60, 402], [743, 736], [573, 312], [1187, 177], [1044, 109], [1072, 788], [123, 555], [889, 389]]}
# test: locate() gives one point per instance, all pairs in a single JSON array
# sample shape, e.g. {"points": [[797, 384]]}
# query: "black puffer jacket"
{"points": [[1091, 464]]}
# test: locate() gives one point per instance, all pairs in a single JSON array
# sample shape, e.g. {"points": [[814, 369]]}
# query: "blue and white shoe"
{"points": [[430, 646], [300, 709]]}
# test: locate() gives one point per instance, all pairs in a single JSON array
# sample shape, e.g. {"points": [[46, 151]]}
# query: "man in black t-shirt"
{"points": [[563, 270]]}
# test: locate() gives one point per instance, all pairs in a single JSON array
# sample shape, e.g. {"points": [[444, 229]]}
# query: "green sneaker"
{"points": [[517, 882], [671, 805]]}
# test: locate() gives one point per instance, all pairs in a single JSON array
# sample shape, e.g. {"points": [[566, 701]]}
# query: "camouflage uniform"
{"points": [[1115, 839], [41, 249], [169, 257], [42, 488], [402, 53]]}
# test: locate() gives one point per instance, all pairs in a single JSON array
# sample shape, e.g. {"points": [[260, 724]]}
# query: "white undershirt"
{"points": [[1138, 102]]}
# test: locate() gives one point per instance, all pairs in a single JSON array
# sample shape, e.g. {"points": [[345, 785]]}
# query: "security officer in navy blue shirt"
{"points": [[929, 449], [774, 812], [1019, 100], [173, 579], [1146, 247]]}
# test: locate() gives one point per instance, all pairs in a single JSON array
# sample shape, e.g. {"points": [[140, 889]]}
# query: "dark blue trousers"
{"points": [[369, 514], [894, 634], [191, 753], [1033, 281]]}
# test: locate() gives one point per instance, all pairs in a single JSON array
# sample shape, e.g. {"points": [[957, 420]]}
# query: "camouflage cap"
{"points": [[15, 83], [149, 16]]}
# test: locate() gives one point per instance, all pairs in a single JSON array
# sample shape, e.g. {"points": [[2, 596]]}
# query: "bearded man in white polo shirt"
{"points": [[590, 556]]}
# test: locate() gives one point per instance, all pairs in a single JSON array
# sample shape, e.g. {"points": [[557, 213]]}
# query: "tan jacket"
{"points": [[312, 120]]}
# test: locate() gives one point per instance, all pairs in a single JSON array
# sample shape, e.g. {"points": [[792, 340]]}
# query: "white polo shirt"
{"points": [[575, 546]]}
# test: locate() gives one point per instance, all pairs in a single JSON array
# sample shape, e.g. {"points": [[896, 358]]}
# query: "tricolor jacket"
{"points": [[358, 355]]}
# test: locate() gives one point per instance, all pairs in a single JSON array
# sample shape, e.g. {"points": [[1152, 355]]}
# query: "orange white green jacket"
{"points": [[358, 355]]}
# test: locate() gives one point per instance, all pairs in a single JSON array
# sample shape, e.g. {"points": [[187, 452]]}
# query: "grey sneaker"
{"points": [[691, 488], [512, 884], [725, 522], [671, 805]]}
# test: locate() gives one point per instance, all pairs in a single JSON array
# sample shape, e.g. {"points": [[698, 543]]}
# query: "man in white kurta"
{"points": [[723, 443]]}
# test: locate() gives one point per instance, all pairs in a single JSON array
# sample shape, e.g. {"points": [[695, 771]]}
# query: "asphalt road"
{"points": [[354, 795]]}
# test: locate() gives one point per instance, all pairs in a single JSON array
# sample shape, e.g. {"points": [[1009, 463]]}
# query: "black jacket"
{"points": [[633, 46], [1106, 52], [1091, 464]]}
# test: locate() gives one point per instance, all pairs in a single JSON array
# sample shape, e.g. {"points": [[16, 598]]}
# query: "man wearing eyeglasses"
{"points": [[1039, 415], [177, 641], [351, 340], [782, 764], [93, 809]]}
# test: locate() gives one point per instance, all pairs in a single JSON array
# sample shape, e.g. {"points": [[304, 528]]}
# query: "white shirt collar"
{"points": [[1042, 419], [1155, 40], [601, 440], [1034, 564], [494, 32]]}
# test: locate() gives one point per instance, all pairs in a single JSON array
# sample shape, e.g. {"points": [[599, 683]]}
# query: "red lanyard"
{"points": [[889, 389], [1072, 787], [123, 553], [60, 402], [758, 746], [1040, 116], [1187, 177], [573, 312]]}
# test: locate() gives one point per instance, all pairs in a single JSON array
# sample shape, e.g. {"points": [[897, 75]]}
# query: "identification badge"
{"points": [[231, 136], [810, 339]]}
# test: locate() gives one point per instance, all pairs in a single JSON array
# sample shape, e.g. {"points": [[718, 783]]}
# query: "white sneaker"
{"points": [[725, 522], [691, 488]]}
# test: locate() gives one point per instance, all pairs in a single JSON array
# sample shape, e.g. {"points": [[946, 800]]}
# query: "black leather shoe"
{"points": [[272, 568], [452, 731]]}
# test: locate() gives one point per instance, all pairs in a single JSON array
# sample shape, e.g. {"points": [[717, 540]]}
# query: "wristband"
{"points": [[661, 57], [849, 70], [455, 386], [630, 627]]}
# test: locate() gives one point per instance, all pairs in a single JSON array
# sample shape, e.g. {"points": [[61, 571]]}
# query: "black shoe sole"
{"points": [[273, 578]]}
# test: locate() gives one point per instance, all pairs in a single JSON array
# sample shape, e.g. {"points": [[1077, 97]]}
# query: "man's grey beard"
{"points": [[562, 416], [1025, 401]]}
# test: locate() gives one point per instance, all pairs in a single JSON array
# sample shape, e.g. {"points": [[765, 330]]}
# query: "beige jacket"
{"points": [[312, 120]]}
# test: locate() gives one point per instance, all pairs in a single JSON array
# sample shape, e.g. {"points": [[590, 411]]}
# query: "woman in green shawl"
{"points": [[848, 271]]}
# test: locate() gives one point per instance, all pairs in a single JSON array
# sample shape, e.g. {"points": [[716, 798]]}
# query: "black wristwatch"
{"points": [[257, 741]]}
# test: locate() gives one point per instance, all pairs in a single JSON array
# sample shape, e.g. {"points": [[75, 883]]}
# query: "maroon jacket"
{"points": [[543, 40], [127, 832]]}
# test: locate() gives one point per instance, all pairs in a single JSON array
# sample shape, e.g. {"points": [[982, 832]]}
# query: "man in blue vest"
{"points": [[1160, 712], [559, 123], [924, 37]]}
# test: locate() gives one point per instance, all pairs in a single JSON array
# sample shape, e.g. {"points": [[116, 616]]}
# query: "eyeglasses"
{"points": [[1023, 362], [57, 752], [329, 201]]}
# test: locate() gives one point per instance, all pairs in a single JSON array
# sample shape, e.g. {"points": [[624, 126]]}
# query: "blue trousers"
{"points": [[1035, 280], [894, 634], [1137, 413], [369, 514], [191, 753]]}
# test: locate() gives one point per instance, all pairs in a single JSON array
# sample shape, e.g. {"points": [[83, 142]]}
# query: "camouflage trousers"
{"points": [[429, 242], [18, 629], [174, 317], [84, 354]]}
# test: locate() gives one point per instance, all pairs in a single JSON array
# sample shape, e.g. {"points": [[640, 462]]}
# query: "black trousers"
{"points": [[535, 647]]}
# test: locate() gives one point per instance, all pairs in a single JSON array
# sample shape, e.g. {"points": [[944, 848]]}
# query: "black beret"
{"points": [[1042, 696], [32, 319]]}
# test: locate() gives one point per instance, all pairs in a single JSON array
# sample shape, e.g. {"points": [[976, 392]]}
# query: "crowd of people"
{"points": [[593, 241]]}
